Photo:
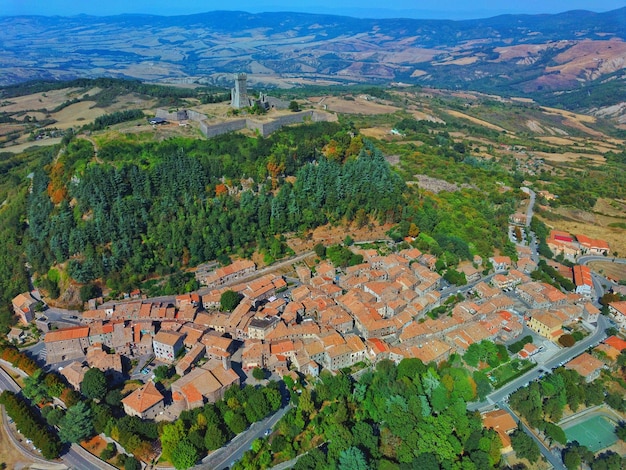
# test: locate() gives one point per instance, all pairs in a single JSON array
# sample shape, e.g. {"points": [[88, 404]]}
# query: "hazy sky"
{"points": [[452, 9]]}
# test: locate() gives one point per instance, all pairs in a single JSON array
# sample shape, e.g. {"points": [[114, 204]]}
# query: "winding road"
{"points": [[74, 458]]}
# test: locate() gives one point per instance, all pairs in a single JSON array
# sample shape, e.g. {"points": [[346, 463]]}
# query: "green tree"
{"points": [[89, 291], [184, 455], [214, 437], [524, 446], [258, 373], [229, 300], [131, 463], [170, 436], [555, 433], [320, 250], [108, 452], [352, 458], [571, 459], [54, 415], [94, 384], [76, 425], [113, 397], [294, 106], [35, 388], [161, 372]]}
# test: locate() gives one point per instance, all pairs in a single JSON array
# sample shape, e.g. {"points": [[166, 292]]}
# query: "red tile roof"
{"points": [[616, 342], [143, 398], [65, 334]]}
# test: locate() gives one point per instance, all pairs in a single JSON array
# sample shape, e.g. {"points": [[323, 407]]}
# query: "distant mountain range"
{"points": [[505, 54]]}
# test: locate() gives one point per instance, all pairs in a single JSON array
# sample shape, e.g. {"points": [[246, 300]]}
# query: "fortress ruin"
{"points": [[239, 100]]}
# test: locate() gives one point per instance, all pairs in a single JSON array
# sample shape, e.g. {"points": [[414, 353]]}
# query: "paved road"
{"points": [[555, 460], [76, 457], [262, 271], [531, 205], [234, 450], [589, 258]]}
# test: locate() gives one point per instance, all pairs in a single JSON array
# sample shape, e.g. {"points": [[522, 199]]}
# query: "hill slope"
{"points": [[523, 53]]}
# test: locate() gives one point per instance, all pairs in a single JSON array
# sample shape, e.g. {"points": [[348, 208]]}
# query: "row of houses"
{"points": [[570, 246]]}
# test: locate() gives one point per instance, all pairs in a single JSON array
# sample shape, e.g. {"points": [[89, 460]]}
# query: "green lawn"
{"points": [[507, 372]]}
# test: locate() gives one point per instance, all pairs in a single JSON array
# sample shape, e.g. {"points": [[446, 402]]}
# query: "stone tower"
{"points": [[239, 94]]}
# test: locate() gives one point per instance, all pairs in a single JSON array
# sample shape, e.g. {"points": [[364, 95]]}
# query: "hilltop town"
{"points": [[390, 306]]}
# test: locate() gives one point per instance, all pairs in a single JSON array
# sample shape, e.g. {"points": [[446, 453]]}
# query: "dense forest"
{"points": [[159, 207]]}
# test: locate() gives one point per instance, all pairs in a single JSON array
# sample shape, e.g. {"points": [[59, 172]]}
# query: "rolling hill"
{"points": [[510, 54]]}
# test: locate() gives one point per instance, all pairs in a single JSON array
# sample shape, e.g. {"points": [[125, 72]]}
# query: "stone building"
{"points": [[239, 94]]}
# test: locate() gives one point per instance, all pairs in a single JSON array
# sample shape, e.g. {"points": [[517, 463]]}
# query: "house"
{"points": [[547, 325], [74, 373], [593, 246], [24, 307], [562, 243], [224, 275], [146, 402], [502, 423], [16, 335], [67, 343], [617, 311], [203, 384], [518, 218], [590, 312], [528, 351], [167, 344], [196, 353], [101, 333], [587, 366], [259, 328], [615, 342], [583, 280], [500, 263], [192, 299], [540, 295], [111, 364], [254, 354]]}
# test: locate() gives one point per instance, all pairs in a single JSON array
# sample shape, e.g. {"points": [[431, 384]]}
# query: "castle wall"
{"points": [[173, 116], [263, 128], [219, 129]]}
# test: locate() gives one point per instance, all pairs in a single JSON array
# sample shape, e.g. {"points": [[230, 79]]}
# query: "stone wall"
{"points": [[263, 128], [219, 129], [173, 116]]}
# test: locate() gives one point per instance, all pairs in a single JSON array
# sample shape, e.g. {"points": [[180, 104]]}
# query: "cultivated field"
{"points": [[611, 270], [570, 157], [359, 106], [25, 145], [475, 120]]}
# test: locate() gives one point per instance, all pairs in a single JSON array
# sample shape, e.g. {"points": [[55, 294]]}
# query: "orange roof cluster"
{"points": [[592, 243]]}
